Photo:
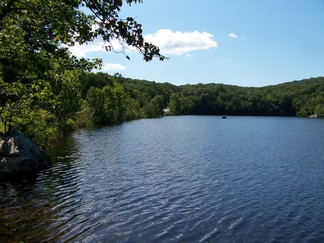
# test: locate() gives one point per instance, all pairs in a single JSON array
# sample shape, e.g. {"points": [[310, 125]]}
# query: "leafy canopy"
{"points": [[50, 23], [36, 68]]}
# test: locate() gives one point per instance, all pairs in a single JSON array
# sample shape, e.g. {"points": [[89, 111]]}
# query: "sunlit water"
{"points": [[177, 179]]}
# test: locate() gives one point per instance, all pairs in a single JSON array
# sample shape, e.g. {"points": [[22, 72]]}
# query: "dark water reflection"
{"points": [[243, 179]]}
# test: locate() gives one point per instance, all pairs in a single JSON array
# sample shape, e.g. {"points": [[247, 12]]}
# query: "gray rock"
{"points": [[19, 156]]}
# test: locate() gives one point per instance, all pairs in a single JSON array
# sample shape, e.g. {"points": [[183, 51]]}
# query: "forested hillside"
{"points": [[298, 98], [102, 99], [145, 99]]}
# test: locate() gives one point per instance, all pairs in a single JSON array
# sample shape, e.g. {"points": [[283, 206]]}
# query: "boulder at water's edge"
{"points": [[19, 156]]}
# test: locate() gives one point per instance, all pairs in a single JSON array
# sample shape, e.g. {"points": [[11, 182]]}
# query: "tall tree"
{"points": [[35, 36]]}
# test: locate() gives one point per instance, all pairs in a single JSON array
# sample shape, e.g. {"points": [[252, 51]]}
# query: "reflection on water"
{"points": [[243, 179], [30, 206]]}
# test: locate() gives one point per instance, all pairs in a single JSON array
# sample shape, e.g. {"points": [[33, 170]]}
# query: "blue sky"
{"points": [[239, 42]]}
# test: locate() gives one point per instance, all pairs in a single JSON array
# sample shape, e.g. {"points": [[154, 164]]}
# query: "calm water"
{"points": [[177, 179]]}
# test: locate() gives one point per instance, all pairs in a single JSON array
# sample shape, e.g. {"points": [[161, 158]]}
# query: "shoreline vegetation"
{"points": [[46, 92], [99, 99]]}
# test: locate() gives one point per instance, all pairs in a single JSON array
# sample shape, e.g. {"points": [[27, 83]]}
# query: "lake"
{"points": [[177, 179]]}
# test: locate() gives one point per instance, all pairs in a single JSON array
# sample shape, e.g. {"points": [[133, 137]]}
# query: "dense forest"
{"points": [[102, 99], [40, 89], [144, 99], [297, 98]]}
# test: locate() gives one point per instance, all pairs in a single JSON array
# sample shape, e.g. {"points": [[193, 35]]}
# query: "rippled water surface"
{"points": [[177, 179]]}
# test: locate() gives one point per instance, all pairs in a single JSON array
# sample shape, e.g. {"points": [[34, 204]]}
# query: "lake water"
{"points": [[177, 179]]}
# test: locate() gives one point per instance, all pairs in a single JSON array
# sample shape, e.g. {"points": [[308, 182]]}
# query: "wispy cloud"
{"points": [[113, 67], [97, 45], [181, 43], [232, 35]]}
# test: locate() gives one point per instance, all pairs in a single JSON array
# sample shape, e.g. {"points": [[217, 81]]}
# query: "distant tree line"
{"points": [[113, 99], [298, 98], [93, 99]]}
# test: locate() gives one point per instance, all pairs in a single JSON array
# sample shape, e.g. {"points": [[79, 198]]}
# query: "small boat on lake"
{"points": [[224, 117]]}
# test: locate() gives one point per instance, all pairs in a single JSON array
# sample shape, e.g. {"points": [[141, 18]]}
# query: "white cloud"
{"points": [[233, 35], [97, 45], [180, 43], [113, 67], [85, 49], [169, 42]]}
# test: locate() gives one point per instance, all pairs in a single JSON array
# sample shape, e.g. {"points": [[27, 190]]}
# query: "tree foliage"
{"points": [[107, 105], [298, 98], [36, 68]]}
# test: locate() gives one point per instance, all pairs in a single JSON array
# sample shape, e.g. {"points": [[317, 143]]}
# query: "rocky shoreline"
{"points": [[19, 156]]}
